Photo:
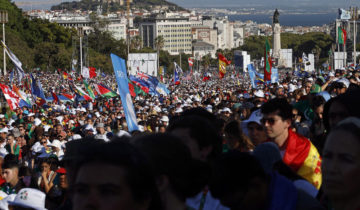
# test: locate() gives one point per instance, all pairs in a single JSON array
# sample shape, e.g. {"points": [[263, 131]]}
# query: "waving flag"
{"points": [[20, 75], [122, 81], [56, 99], [88, 89], [11, 97], [141, 83], [92, 72], [177, 71], [82, 93], [223, 62], [12, 57], [341, 36], [267, 62], [104, 91], [37, 91], [24, 99]]}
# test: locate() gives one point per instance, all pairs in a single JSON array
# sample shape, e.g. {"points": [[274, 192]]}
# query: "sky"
{"points": [[268, 3], [264, 4]]}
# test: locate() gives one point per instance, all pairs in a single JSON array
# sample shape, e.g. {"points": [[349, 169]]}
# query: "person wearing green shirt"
{"points": [[11, 146]]}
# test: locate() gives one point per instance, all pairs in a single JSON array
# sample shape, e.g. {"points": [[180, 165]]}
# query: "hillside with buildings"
{"points": [[116, 5]]}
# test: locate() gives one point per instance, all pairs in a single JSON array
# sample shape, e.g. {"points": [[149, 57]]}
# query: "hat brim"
{"points": [[13, 203]]}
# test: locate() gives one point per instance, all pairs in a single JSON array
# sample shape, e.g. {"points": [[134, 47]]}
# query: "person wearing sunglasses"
{"points": [[297, 151]]}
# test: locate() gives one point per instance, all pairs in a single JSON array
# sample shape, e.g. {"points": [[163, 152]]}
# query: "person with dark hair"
{"points": [[252, 188], [45, 181], [10, 170], [178, 175], [341, 165], [317, 128], [109, 175], [296, 150], [235, 137], [198, 134]]}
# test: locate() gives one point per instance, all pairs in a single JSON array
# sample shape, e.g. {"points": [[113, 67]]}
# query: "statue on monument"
{"points": [[276, 16]]}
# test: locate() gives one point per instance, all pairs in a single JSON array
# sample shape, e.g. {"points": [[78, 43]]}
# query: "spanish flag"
{"points": [[223, 62], [302, 156]]}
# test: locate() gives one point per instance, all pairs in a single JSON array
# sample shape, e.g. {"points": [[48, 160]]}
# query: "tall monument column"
{"points": [[276, 35]]}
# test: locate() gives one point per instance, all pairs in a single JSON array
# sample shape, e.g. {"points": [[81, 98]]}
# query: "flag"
{"points": [[11, 76], [303, 158], [122, 81], [65, 75], [131, 88], [12, 57], [104, 91], [267, 62], [55, 98], [177, 71], [92, 72], [191, 61], [161, 70], [252, 74], [223, 62], [70, 97], [141, 83], [20, 75], [85, 72], [11, 97], [341, 37], [82, 93], [37, 91], [24, 99], [344, 35], [88, 89]]}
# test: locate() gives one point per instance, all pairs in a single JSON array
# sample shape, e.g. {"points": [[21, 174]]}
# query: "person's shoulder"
{"points": [[306, 202]]}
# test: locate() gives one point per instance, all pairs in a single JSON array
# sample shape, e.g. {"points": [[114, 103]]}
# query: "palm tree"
{"points": [[159, 44]]}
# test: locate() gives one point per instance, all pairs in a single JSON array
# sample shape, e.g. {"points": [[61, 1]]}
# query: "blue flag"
{"points": [[122, 81], [37, 91], [11, 76], [252, 74], [274, 75]]}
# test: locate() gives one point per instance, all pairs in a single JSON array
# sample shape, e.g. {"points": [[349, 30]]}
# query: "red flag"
{"points": [[92, 72], [11, 97], [267, 62], [132, 89], [56, 99], [65, 75], [344, 35]]}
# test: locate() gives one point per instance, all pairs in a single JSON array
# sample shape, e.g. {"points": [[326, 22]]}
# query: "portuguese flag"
{"points": [[104, 91], [268, 62], [341, 36]]}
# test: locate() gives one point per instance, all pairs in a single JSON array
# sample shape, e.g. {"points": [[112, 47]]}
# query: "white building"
{"points": [[175, 31], [225, 31], [118, 30]]}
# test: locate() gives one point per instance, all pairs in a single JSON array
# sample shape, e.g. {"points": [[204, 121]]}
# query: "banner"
{"points": [[12, 57], [122, 81], [344, 14], [274, 75], [11, 97], [252, 74]]}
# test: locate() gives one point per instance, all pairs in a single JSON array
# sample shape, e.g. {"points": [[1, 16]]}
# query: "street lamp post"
{"points": [[3, 20], [81, 34]]}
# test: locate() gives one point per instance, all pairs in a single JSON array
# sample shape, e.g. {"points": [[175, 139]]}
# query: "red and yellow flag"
{"points": [[223, 62], [302, 156]]}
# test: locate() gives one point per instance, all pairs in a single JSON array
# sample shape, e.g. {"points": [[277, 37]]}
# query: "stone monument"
{"points": [[276, 35]]}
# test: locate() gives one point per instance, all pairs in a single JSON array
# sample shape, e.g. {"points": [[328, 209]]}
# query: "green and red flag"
{"points": [[104, 91], [268, 62], [341, 35]]}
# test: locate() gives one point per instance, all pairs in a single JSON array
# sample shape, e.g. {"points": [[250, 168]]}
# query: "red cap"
{"points": [[61, 171]]}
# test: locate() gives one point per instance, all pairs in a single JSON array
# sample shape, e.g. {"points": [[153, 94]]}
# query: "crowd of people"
{"points": [[208, 145]]}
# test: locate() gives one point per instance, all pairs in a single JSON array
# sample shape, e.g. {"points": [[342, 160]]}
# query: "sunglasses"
{"points": [[271, 121], [43, 142]]}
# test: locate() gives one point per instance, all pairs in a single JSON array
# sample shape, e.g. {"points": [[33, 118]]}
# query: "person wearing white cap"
{"points": [[254, 128], [28, 198], [56, 147], [101, 133]]}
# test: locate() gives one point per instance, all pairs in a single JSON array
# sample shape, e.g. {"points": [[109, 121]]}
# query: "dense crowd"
{"points": [[213, 145]]}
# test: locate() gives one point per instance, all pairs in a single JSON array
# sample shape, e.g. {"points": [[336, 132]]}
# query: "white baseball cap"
{"points": [[256, 116], [29, 198]]}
